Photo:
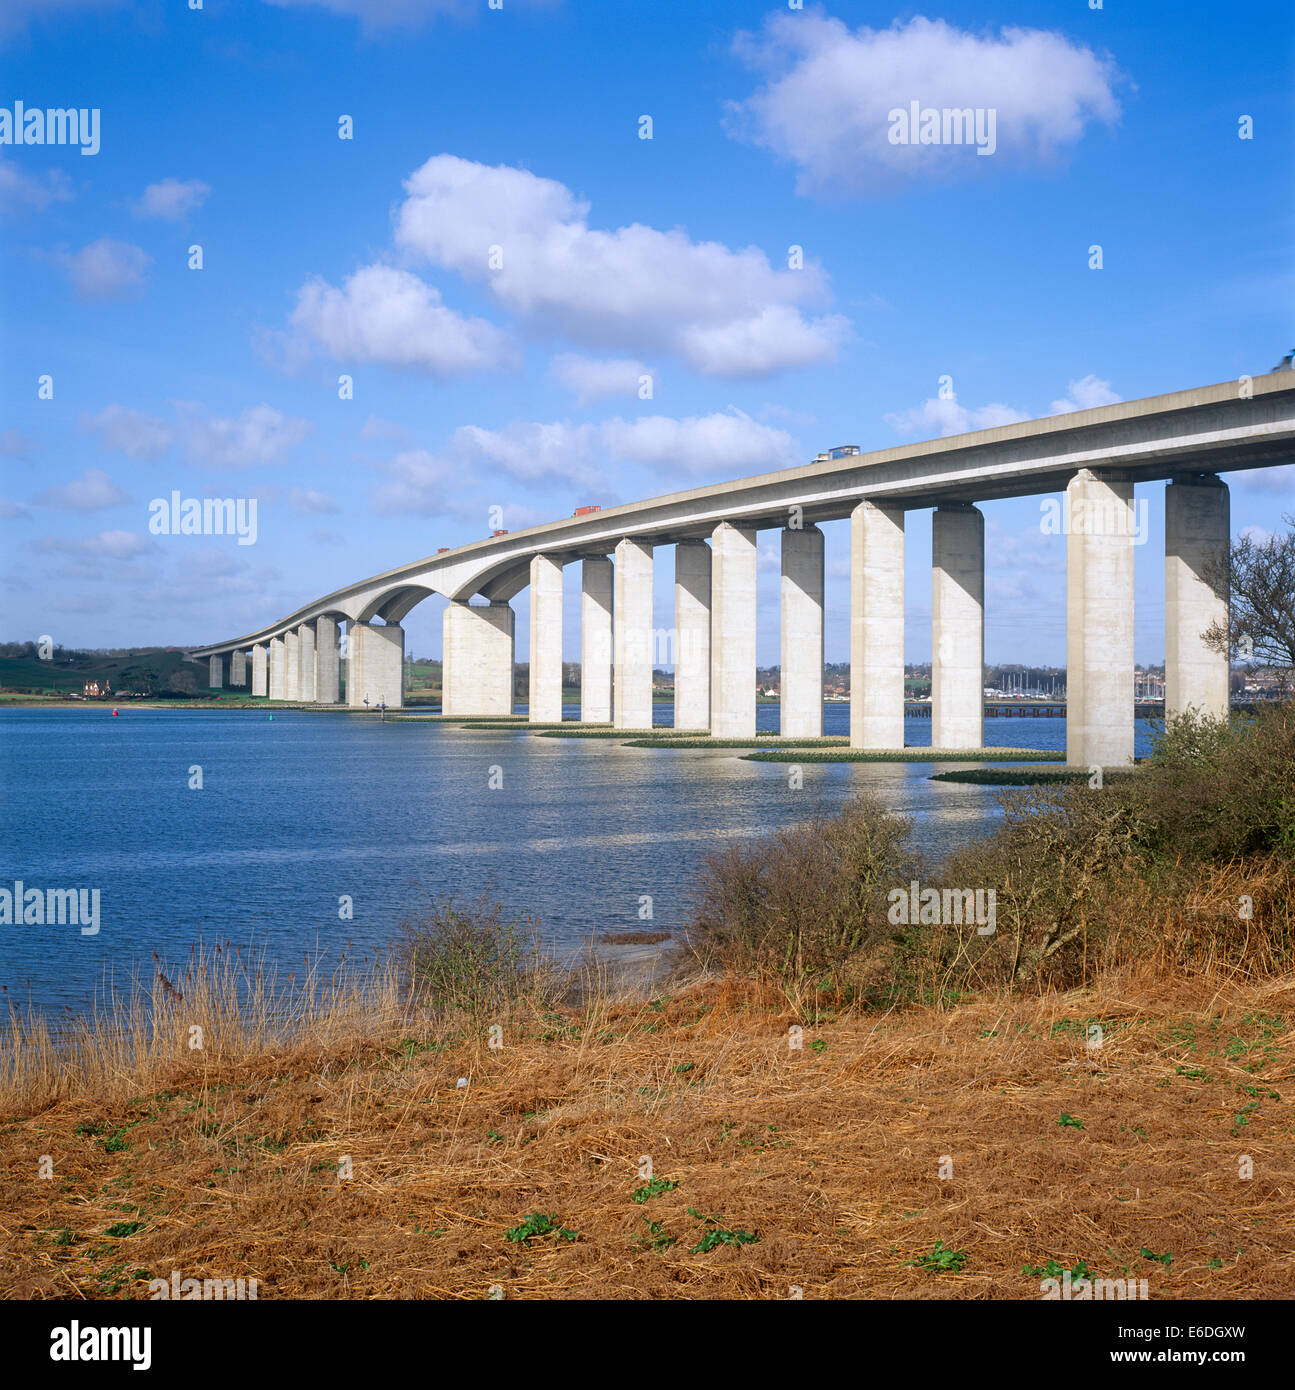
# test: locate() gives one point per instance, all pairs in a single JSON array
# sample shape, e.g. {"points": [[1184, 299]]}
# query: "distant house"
{"points": [[94, 690]]}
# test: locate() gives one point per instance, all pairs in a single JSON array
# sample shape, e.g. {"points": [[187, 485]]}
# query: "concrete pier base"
{"points": [[261, 670], [1197, 542], [306, 664], [692, 599], [376, 673], [732, 636], [215, 672], [477, 651], [1099, 620], [278, 670], [596, 603], [291, 666], [957, 627], [238, 669], [545, 700], [876, 626], [632, 637], [327, 665], [801, 647]]}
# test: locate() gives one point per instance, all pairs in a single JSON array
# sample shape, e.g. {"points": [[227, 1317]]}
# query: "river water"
{"points": [[299, 811]]}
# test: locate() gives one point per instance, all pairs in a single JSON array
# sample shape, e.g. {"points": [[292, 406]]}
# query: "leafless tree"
{"points": [[1261, 578]]}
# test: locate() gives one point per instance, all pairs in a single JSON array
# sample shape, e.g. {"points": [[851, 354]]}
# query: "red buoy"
{"points": [[114, 714]]}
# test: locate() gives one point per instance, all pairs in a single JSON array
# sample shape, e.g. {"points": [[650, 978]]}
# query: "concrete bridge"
{"points": [[1094, 456]]}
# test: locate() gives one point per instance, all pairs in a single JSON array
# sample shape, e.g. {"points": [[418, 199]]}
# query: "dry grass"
{"points": [[829, 1154]]}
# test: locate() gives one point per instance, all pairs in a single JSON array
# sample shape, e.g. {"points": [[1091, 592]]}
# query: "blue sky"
{"points": [[517, 384]]}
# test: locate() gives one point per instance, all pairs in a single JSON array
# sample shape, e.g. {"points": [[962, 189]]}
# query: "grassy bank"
{"points": [[772, 1167]]}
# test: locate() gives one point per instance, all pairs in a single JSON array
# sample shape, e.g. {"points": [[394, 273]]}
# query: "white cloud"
{"points": [[130, 432], [1085, 394], [725, 312], [379, 16], [93, 491], [714, 447], [307, 501], [14, 14], [18, 189], [375, 427], [14, 444], [261, 434], [390, 316], [938, 416], [171, 199], [536, 454], [384, 14], [106, 269], [11, 511], [593, 379], [828, 92], [1279, 480], [107, 545]]}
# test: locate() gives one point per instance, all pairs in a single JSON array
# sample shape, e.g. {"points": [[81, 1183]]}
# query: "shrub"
{"points": [[472, 959], [806, 905]]}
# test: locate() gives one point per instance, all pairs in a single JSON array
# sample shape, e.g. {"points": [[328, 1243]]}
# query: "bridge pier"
{"points": [[306, 663], [477, 659], [261, 670], [876, 626], [238, 669], [327, 665], [545, 698], [278, 669], [376, 670], [216, 672], [692, 648], [292, 665], [801, 647], [732, 633], [957, 627], [596, 602], [632, 636], [1197, 532], [1099, 619]]}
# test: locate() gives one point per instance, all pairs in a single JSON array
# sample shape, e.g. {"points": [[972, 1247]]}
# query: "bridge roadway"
{"points": [[1095, 457]]}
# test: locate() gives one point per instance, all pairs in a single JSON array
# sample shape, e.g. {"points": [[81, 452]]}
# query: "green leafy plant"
{"points": [[655, 1188], [539, 1224], [940, 1260]]}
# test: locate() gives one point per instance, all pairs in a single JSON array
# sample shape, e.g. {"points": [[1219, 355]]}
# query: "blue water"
{"points": [[302, 809]]}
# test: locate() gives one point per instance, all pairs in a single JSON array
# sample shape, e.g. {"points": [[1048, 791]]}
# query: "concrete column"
{"points": [[545, 700], [215, 672], [732, 632], [596, 603], [876, 626], [238, 669], [306, 663], [632, 637], [801, 647], [354, 681], [957, 627], [1099, 619], [292, 666], [327, 667], [377, 670], [261, 669], [1197, 542], [477, 650], [278, 669], [692, 635]]}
